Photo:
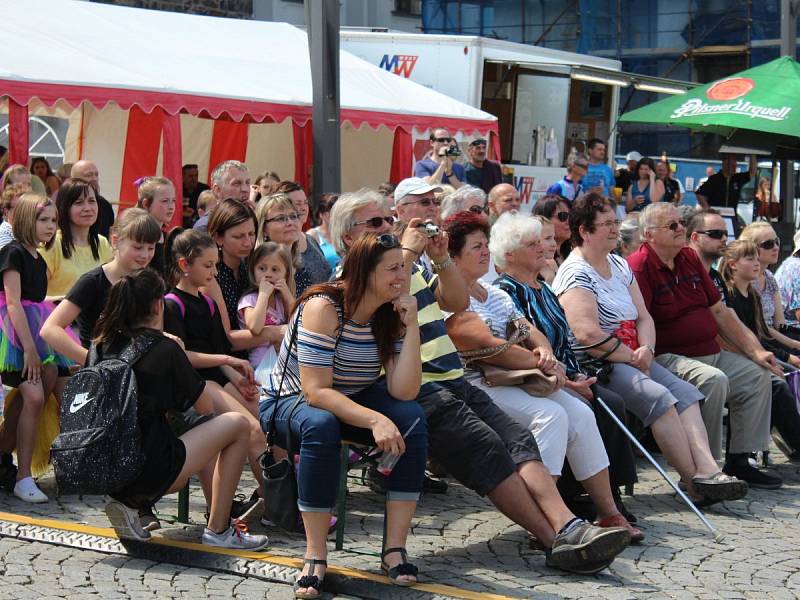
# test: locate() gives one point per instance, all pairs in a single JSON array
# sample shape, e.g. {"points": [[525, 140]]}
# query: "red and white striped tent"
{"points": [[148, 91]]}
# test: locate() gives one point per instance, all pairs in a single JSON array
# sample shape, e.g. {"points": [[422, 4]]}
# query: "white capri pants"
{"points": [[562, 425]]}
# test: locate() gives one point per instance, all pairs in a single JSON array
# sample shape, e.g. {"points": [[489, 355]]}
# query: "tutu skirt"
{"points": [[11, 352]]}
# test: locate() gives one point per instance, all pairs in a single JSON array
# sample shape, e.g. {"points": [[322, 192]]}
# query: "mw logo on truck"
{"points": [[399, 64]]}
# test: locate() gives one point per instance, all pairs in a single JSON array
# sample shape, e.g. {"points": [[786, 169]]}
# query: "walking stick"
{"points": [[718, 536]]}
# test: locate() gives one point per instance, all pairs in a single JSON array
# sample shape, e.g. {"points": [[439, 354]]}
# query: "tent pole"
{"points": [[322, 23], [788, 48]]}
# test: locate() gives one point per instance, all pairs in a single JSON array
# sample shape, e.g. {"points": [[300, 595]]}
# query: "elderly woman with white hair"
{"points": [[467, 197], [562, 424], [518, 247]]}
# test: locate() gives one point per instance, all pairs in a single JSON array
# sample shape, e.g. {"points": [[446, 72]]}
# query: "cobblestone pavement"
{"points": [[43, 571], [458, 539]]}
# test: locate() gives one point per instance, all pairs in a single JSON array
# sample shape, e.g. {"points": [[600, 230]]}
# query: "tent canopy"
{"points": [[763, 99], [251, 71]]}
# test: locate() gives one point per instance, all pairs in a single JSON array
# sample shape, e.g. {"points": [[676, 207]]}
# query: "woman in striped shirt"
{"points": [[347, 333]]}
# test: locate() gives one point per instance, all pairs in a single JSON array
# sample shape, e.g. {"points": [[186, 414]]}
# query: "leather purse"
{"points": [[533, 381], [280, 479]]}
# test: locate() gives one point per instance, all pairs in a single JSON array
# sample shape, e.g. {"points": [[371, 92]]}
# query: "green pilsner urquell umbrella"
{"points": [[765, 98]]}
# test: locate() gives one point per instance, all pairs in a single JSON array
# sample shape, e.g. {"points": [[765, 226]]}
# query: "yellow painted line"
{"points": [[285, 561]]}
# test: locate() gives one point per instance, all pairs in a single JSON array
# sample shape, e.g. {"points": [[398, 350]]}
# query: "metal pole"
{"points": [[322, 22], [788, 48], [718, 536]]}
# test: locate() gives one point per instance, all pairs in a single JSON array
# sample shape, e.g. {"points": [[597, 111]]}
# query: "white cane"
{"points": [[718, 536]]}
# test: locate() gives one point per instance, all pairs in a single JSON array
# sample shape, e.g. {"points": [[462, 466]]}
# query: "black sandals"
{"points": [[310, 580], [404, 568]]}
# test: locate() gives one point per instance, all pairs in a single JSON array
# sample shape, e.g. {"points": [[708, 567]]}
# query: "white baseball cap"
{"points": [[633, 156], [413, 186]]}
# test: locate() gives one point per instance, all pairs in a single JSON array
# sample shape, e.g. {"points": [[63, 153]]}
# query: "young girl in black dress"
{"points": [[195, 318], [134, 236], [166, 381], [26, 361]]}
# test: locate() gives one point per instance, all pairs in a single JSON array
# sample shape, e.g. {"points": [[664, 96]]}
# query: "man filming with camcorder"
{"points": [[439, 164]]}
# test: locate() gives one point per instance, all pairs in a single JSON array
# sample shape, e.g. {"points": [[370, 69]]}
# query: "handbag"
{"points": [[533, 381], [280, 479], [597, 366]]}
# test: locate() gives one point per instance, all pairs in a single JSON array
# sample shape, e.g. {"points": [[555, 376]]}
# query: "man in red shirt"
{"points": [[688, 315]]}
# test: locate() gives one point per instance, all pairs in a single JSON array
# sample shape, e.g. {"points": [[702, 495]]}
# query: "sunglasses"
{"points": [[674, 226], [478, 210], [426, 202], [388, 241], [715, 234], [770, 244], [562, 216], [375, 222], [284, 218], [443, 140]]}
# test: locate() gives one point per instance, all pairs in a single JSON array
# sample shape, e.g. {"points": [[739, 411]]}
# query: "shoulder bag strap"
{"points": [[137, 348], [292, 340], [271, 427]]}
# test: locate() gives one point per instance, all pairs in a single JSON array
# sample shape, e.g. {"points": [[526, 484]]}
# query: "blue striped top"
{"points": [[541, 307], [353, 355]]}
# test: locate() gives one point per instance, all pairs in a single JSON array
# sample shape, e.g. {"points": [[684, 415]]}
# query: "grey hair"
{"points": [[509, 232], [649, 217], [455, 202], [342, 218], [626, 230], [222, 169]]}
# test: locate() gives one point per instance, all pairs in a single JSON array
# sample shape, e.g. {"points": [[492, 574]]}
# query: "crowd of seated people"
{"points": [[260, 321]]}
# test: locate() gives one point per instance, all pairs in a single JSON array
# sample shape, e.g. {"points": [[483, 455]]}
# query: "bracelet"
{"points": [[448, 175], [418, 254], [441, 266]]}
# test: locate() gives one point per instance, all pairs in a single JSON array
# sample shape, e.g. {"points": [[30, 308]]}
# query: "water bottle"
{"points": [[389, 460]]}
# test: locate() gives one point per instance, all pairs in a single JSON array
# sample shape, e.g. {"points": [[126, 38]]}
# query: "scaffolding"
{"points": [[691, 40]]}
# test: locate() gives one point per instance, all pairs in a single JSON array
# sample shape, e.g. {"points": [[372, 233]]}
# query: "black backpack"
{"points": [[99, 448]]}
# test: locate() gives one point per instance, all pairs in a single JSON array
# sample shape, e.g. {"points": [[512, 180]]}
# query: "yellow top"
{"points": [[62, 273]]}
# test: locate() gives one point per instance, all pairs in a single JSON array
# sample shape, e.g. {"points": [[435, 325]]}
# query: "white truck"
{"points": [[546, 101]]}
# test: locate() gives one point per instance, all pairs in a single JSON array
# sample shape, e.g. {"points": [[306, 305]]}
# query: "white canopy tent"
{"points": [[146, 91]]}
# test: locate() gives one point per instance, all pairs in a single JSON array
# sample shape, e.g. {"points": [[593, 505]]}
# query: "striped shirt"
{"points": [[353, 355], [541, 308], [614, 302], [440, 361]]}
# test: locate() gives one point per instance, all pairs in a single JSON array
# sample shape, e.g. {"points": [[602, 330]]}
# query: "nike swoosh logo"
{"points": [[79, 402]]}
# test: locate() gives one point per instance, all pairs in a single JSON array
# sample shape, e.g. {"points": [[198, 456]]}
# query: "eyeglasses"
{"points": [[562, 216], [674, 226], [426, 202], [770, 244], [610, 224], [375, 222], [283, 219], [478, 210], [388, 241], [443, 140], [716, 234]]}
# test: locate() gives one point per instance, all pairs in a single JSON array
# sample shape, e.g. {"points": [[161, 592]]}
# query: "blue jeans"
{"points": [[320, 435]]}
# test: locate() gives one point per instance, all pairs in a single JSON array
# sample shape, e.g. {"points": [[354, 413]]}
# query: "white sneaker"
{"points": [[235, 537], [125, 521], [27, 490]]}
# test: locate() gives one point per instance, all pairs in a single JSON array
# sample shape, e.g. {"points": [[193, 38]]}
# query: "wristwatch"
{"points": [[652, 349], [448, 175], [438, 267]]}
